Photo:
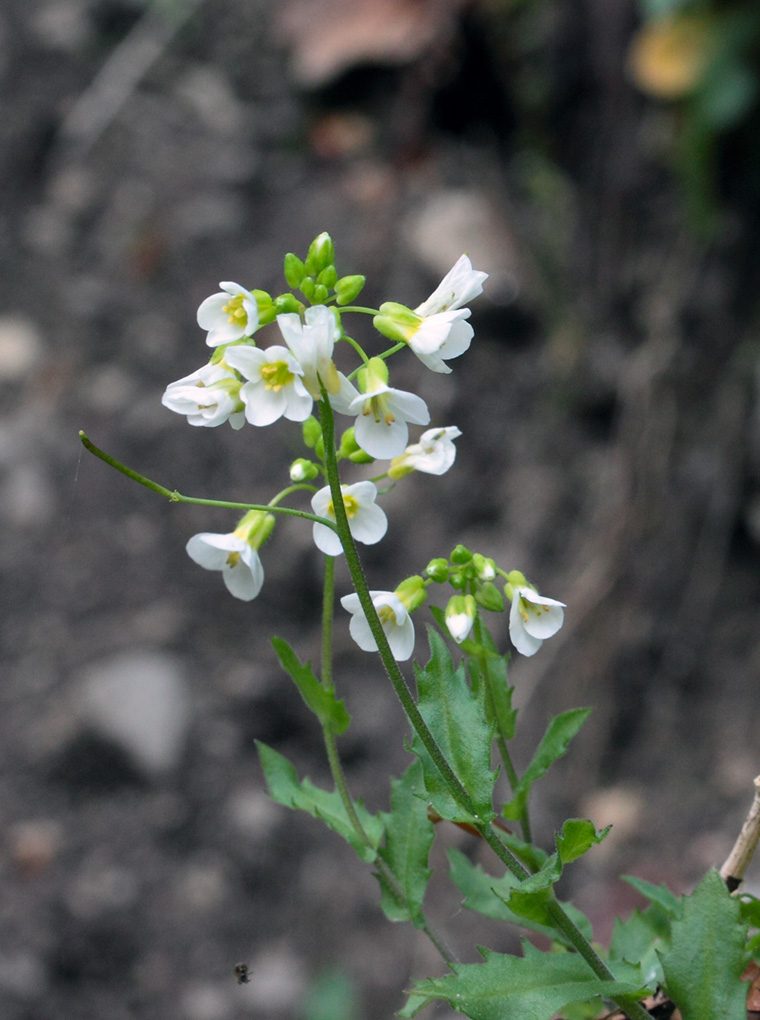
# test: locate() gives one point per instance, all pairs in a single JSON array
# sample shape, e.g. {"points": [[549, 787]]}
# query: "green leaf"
{"points": [[658, 894], [321, 700], [554, 744], [488, 896], [457, 720], [285, 788], [408, 838], [706, 957], [636, 940], [578, 835], [501, 693], [532, 987]]}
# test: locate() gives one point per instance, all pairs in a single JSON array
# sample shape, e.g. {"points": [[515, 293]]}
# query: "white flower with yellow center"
{"points": [[382, 412], [275, 385], [433, 454], [229, 315], [394, 617], [366, 520], [235, 554], [312, 342], [210, 397], [533, 618]]}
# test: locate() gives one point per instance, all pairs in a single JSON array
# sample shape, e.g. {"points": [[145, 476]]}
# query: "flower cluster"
{"points": [[246, 381]]}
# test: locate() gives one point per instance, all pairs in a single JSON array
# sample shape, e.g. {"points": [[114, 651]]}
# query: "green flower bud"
{"points": [[303, 470], [286, 303], [265, 305], [321, 254], [307, 287], [412, 592], [348, 444], [458, 579], [485, 568], [348, 289], [489, 597], [438, 570], [361, 457], [320, 294], [312, 432], [461, 554], [295, 271], [328, 277]]}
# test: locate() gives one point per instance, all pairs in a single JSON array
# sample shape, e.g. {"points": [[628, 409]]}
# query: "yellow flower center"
{"points": [[378, 408], [276, 374], [235, 312], [386, 615], [233, 558], [349, 503]]}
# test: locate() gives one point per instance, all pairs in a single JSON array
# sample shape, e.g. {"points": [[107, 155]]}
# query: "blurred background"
{"points": [[601, 160]]}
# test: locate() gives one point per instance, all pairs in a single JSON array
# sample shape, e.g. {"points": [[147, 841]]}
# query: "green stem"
{"points": [[336, 769], [175, 497], [358, 308]]}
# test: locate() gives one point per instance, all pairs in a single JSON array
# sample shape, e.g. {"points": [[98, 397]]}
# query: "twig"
{"points": [[738, 860]]}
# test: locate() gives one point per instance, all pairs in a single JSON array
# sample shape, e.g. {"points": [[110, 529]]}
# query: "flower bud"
{"points": [[460, 554], [312, 431], [412, 592], [295, 271], [348, 289], [321, 254], [485, 568], [438, 570], [460, 616], [320, 294], [303, 470], [361, 457], [458, 579], [307, 287], [328, 277], [265, 305], [285, 303], [489, 597]]}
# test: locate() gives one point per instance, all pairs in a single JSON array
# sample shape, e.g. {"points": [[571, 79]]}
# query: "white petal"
{"points": [[246, 578], [326, 540], [460, 285], [380, 440], [369, 525], [459, 626], [401, 640], [211, 551]]}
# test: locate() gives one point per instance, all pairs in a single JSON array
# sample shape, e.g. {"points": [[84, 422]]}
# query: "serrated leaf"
{"points": [[706, 957], [321, 700], [636, 940], [458, 722], [554, 744], [532, 987], [488, 895], [658, 894], [578, 835], [408, 838], [285, 788]]}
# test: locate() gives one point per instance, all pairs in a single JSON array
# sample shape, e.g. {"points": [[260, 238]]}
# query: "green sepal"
{"points": [[286, 789], [457, 719], [348, 289], [360, 457], [294, 271], [285, 304], [534, 986], [408, 838], [554, 743], [704, 963], [489, 597], [321, 700]]}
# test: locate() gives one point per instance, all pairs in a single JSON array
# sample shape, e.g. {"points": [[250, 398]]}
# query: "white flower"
{"points": [[433, 454], [394, 616], [440, 337], [210, 397], [459, 286], [239, 562], [382, 412], [229, 315], [532, 619], [312, 343], [366, 520], [275, 385]]}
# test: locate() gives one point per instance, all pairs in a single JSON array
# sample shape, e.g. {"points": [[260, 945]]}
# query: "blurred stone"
{"points": [[26, 497], [21, 346], [139, 700]]}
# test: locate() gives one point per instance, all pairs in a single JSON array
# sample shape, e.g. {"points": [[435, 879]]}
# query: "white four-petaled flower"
{"points": [[532, 619], [210, 397], [433, 454], [312, 343], [394, 617], [239, 562], [229, 315], [366, 520], [275, 385]]}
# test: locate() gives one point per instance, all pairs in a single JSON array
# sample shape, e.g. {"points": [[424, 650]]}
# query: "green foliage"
{"points": [[532, 987], [488, 896], [703, 966], [321, 700], [285, 788], [671, 905], [637, 939], [554, 744], [457, 719], [408, 838], [578, 835], [331, 997], [489, 666]]}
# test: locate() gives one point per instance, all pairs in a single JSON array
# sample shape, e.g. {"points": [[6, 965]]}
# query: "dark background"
{"points": [[610, 450]]}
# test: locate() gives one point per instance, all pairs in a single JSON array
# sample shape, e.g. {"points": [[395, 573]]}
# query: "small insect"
{"points": [[242, 973]]}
